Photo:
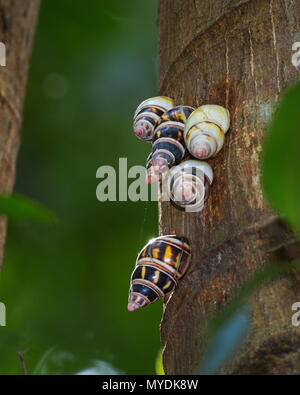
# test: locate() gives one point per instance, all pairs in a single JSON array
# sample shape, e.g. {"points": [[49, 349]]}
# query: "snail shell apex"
{"points": [[147, 114], [159, 266], [205, 140]]}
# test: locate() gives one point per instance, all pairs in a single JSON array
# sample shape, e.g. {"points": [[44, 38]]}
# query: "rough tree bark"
{"points": [[236, 53], [17, 24]]}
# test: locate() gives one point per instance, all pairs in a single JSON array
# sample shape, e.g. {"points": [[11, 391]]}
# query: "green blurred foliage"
{"points": [[229, 337], [227, 328], [241, 297], [20, 207], [65, 285], [281, 159]]}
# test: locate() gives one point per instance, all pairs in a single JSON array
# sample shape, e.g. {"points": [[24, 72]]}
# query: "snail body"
{"points": [[147, 114], [159, 266], [205, 131], [168, 146], [190, 183]]}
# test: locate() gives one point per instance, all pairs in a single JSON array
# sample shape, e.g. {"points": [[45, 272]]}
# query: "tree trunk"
{"points": [[236, 53], [17, 24]]}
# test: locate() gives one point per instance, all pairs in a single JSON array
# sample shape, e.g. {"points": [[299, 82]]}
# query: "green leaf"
{"points": [[226, 341], [281, 158], [19, 207], [159, 365], [241, 297], [41, 368], [233, 319]]}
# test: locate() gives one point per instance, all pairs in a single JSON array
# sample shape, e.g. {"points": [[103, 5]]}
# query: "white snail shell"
{"points": [[205, 130], [190, 183], [147, 114]]}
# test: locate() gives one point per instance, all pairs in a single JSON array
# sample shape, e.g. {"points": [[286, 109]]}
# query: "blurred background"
{"points": [[65, 285]]}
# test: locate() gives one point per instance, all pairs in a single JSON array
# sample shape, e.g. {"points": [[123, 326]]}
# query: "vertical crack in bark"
{"points": [[275, 45]]}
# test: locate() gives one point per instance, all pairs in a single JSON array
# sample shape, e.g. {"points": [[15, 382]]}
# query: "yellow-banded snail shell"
{"points": [[168, 147], [190, 183], [205, 130], [159, 266], [147, 114]]}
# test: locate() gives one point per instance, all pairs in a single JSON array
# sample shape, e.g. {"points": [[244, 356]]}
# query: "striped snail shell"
{"points": [[168, 147], [159, 266], [205, 130], [147, 114], [151, 175], [190, 183]]}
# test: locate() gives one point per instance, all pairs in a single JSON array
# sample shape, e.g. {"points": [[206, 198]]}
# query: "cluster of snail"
{"points": [[175, 132]]}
